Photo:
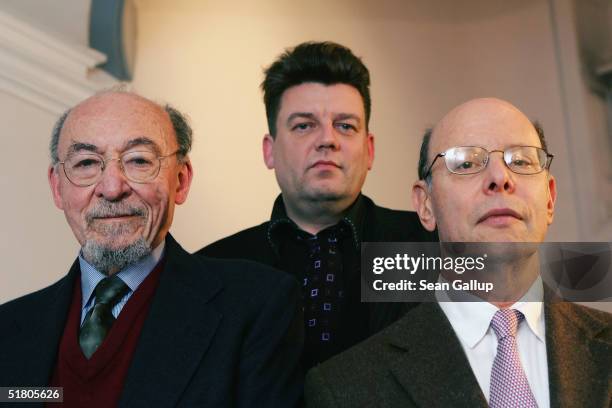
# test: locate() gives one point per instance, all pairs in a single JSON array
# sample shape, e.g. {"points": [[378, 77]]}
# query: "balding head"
{"points": [[480, 120], [476, 114], [118, 175], [165, 115], [460, 205]]}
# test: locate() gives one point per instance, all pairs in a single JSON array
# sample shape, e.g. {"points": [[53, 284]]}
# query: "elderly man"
{"points": [[138, 321], [484, 177], [318, 106]]}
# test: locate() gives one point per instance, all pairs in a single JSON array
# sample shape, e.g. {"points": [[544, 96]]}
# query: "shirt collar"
{"points": [[353, 218], [533, 311], [471, 320], [132, 275]]}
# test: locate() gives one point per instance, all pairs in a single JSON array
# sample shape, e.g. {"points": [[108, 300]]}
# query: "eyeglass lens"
{"points": [[519, 159], [86, 168]]}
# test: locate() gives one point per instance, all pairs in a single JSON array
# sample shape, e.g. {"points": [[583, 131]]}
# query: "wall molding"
{"points": [[45, 70]]}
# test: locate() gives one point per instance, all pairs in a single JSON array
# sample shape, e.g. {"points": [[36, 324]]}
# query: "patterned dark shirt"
{"points": [[328, 267]]}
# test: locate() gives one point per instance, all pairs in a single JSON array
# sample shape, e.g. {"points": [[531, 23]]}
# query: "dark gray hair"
{"points": [[423, 155], [180, 124], [182, 130], [55, 134], [319, 62]]}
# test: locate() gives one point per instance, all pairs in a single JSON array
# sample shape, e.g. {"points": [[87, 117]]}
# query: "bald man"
{"points": [[138, 321], [483, 177]]}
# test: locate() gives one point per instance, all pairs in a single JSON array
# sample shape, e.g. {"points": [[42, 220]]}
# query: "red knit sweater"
{"points": [[98, 382]]}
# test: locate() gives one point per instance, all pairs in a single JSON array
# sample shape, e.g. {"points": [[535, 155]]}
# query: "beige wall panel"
{"points": [[36, 245], [424, 58], [207, 58]]}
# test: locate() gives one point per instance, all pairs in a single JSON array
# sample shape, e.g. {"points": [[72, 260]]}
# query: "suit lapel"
{"points": [[177, 332], [40, 335], [53, 325], [433, 368], [578, 362], [380, 314], [376, 229]]}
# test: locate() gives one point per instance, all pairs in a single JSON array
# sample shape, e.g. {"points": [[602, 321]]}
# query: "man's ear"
{"points": [[185, 175], [371, 150], [268, 150], [421, 200], [54, 183], [552, 198]]}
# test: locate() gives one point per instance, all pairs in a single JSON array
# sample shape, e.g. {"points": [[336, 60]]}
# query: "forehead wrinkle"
{"points": [[321, 99]]}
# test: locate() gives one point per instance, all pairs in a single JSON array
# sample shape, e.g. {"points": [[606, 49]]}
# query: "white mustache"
{"points": [[108, 209]]}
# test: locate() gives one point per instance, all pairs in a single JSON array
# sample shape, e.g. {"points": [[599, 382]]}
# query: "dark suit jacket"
{"points": [[379, 225], [218, 334], [419, 362]]}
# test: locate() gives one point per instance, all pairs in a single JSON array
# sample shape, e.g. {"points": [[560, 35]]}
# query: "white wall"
{"points": [[207, 57], [424, 57], [35, 235], [586, 128], [41, 75]]}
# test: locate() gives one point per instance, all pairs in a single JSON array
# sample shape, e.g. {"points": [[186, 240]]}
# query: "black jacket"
{"points": [[419, 362], [378, 225], [217, 334]]}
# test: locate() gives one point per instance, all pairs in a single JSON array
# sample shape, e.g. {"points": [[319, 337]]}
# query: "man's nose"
{"points": [[328, 138], [498, 177], [113, 184]]}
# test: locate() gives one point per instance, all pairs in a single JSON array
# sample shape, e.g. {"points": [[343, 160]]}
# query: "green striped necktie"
{"points": [[99, 319]]}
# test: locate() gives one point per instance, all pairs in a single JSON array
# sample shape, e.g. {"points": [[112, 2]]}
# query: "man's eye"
{"points": [[466, 165], [86, 163], [346, 126], [521, 162], [302, 126], [139, 162]]}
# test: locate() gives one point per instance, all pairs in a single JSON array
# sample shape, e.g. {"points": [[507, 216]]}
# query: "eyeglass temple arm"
{"points": [[432, 163]]}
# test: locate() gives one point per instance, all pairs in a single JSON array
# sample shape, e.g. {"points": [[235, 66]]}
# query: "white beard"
{"points": [[105, 259]]}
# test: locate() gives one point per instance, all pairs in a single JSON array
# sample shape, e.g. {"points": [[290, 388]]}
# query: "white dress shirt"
{"points": [[471, 322]]}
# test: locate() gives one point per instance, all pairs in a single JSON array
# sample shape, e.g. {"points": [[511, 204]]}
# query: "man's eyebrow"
{"points": [[142, 141], [78, 146], [344, 116], [306, 115]]}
